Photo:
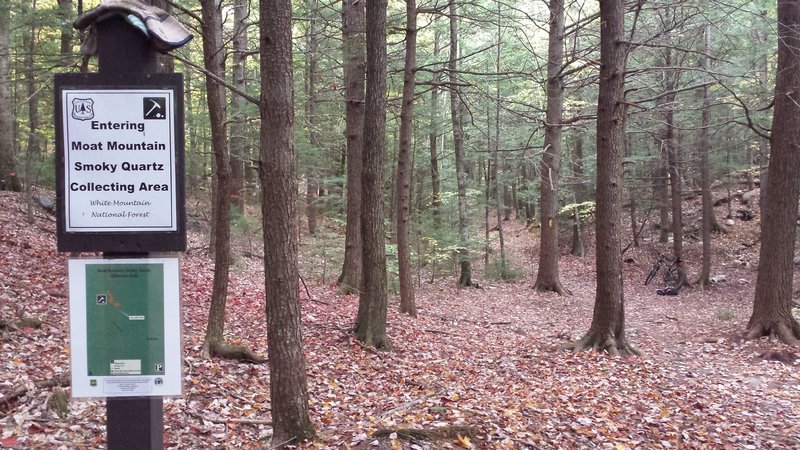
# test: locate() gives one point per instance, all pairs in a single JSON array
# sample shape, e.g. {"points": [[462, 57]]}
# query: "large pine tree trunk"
{"points": [[373, 301], [238, 128], [547, 278], [353, 52], [9, 180], [465, 276], [403, 180], [772, 313], [607, 331], [287, 363]]}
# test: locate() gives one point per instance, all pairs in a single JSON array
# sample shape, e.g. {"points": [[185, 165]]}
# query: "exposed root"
{"points": [[556, 287], [234, 352], [428, 434], [609, 344], [788, 333], [346, 288]]}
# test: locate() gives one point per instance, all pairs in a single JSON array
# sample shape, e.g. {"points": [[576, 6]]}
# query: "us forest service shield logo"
{"points": [[82, 108]]}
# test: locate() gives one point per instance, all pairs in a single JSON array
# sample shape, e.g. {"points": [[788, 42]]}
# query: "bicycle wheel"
{"points": [[670, 275], [651, 275]]}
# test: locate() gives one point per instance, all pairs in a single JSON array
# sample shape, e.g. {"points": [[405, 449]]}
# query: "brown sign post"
{"points": [[120, 160]]}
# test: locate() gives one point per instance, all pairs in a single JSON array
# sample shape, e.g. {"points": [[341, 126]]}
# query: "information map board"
{"points": [[125, 327]]}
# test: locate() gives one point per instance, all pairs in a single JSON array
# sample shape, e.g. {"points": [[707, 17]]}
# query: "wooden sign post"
{"points": [[120, 191]]}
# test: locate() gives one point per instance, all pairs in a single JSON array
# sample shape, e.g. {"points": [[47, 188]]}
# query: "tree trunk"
{"points": [[580, 191], [661, 188], [465, 277], [705, 170], [496, 158], [287, 363], [547, 278], [577, 235], [772, 314], [238, 128], [353, 53], [763, 144], [9, 179], [213, 57], [166, 62], [33, 149], [607, 331], [525, 189], [373, 301], [433, 136], [673, 159], [404, 164], [66, 18], [312, 60]]}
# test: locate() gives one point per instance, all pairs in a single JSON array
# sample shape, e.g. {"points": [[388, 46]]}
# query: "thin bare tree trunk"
{"points": [[9, 179], [433, 136], [580, 191], [33, 148], [214, 62], [673, 158], [404, 164], [238, 128], [465, 277], [312, 59], [705, 170]]}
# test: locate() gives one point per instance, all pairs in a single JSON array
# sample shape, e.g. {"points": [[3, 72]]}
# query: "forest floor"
{"points": [[479, 368]]}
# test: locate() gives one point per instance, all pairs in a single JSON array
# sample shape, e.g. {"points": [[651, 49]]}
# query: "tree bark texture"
{"points": [[213, 57], [9, 179], [404, 164], [312, 61], [433, 137], [580, 190], [373, 301], [66, 17], [238, 128], [607, 331], [287, 363], [661, 191], [772, 314], [465, 276], [673, 158], [705, 170], [547, 278], [353, 49]]}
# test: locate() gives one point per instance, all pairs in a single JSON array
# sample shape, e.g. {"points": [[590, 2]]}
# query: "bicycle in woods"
{"points": [[670, 269]]}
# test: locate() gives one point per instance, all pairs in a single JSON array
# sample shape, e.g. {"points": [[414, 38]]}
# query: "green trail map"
{"points": [[125, 319]]}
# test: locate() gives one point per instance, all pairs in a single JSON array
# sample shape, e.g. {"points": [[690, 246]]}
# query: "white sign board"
{"points": [[125, 327], [119, 160]]}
